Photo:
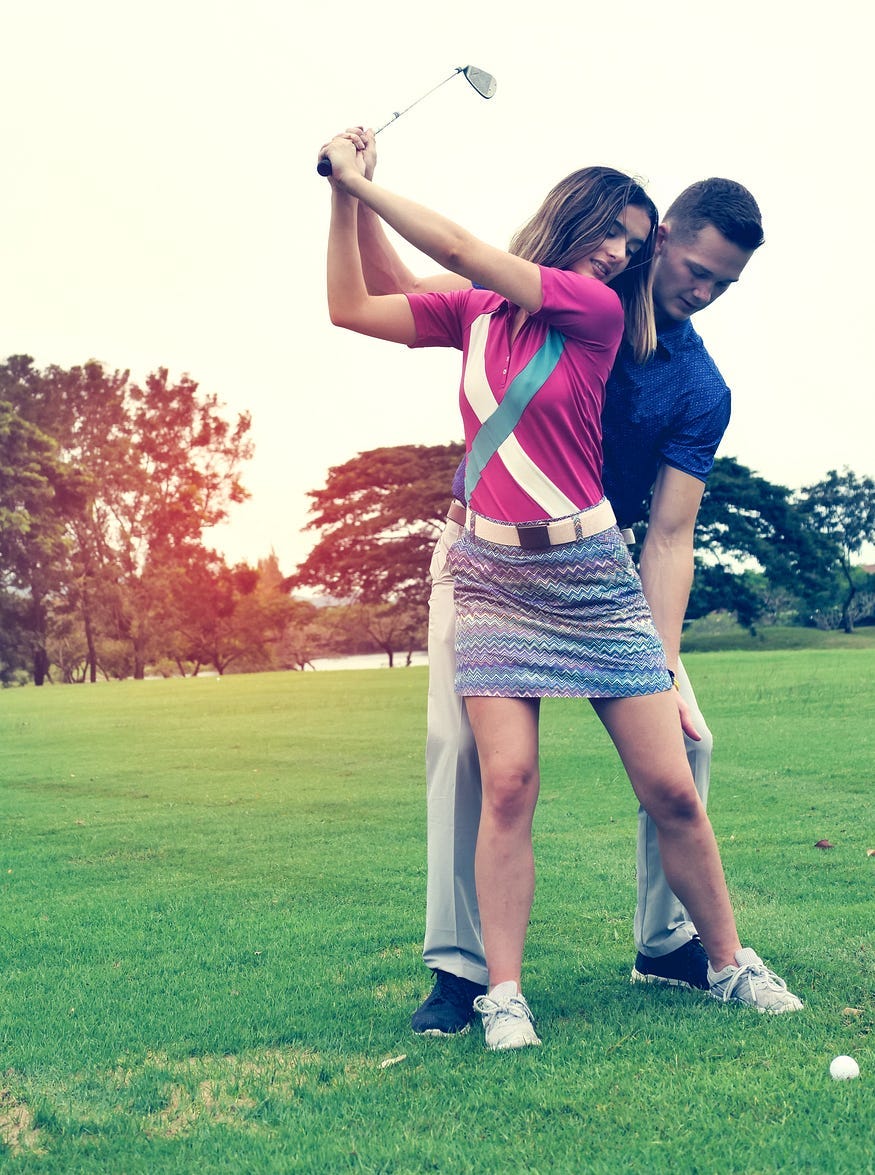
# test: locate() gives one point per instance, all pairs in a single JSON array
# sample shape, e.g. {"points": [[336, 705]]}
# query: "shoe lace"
{"points": [[514, 1005], [758, 976]]}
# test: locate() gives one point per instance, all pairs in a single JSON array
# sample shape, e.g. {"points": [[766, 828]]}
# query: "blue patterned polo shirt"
{"points": [[671, 410]]}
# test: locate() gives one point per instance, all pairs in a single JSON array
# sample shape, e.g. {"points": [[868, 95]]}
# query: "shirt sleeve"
{"points": [[692, 448], [438, 318], [581, 308]]}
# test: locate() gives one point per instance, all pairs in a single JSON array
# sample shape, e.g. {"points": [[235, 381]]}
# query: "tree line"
{"points": [[764, 553], [108, 486], [106, 489], [774, 556]]}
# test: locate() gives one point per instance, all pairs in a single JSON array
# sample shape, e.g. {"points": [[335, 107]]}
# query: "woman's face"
{"points": [[628, 233]]}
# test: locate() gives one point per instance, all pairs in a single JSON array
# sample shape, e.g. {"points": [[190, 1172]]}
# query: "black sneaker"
{"points": [[449, 1009], [685, 967]]}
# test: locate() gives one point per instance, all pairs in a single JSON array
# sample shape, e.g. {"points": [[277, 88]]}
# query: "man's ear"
{"points": [[662, 234]]}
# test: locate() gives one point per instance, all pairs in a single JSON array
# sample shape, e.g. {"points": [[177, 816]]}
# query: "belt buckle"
{"points": [[534, 538]]}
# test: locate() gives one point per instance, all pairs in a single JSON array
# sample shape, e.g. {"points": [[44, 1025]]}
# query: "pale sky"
{"points": [[160, 206]]}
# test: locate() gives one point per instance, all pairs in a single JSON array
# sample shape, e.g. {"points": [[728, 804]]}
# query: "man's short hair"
{"points": [[725, 204]]}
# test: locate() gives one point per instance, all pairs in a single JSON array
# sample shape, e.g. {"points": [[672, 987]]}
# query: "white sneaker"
{"points": [[752, 983], [507, 1018]]}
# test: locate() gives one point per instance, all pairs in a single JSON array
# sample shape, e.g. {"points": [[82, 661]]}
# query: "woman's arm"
{"points": [[384, 270], [349, 303], [451, 246]]}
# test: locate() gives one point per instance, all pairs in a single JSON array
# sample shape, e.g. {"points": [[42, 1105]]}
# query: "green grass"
{"points": [[719, 633], [211, 907]]}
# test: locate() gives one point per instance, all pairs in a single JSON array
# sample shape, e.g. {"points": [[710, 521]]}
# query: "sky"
{"points": [[160, 207]]}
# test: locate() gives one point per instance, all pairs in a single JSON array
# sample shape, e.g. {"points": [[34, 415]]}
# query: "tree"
{"points": [[36, 493], [379, 515], [718, 589], [183, 476], [84, 411], [748, 524], [155, 466], [842, 508], [296, 631], [218, 615], [308, 633], [15, 645], [189, 457], [390, 628]]}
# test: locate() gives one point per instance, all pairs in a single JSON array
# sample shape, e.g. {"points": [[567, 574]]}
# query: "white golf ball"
{"points": [[843, 1069]]}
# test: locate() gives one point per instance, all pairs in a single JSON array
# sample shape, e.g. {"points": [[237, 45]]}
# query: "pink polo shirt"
{"points": [[552, 464]]}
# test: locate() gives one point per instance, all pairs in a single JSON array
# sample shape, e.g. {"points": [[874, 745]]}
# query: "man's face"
{"points": [[690, 275]]}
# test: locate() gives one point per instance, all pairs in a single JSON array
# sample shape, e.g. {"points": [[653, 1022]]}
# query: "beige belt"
{"points": [[456, 512], [539, 535]]}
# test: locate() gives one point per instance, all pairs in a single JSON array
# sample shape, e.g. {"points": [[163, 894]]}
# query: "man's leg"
{"points": [[668, 947], [453, 946]]}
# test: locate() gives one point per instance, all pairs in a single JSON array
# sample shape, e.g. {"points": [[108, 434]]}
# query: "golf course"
{"points": [[213, 896]]}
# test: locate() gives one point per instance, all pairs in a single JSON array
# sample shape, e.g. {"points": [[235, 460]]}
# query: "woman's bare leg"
{"points": [[506, 733], [647, 734]]}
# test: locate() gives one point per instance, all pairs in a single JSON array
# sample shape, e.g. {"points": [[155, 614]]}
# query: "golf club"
{"points": [[484, 83]]}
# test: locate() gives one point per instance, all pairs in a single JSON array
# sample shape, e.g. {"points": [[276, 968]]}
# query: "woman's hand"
{"points": [[349, 155]]}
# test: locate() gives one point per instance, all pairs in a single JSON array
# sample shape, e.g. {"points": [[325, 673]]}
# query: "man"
{"points": [[662, 424]]}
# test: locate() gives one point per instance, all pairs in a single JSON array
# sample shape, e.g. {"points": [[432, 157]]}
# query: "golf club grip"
{"points": [[324, 166]]}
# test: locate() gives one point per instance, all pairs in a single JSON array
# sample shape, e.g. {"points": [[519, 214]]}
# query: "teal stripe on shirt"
{"points": [[495, 430]]}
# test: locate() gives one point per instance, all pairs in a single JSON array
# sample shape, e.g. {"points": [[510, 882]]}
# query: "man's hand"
{"points": [[366, 142], [686, 719]]}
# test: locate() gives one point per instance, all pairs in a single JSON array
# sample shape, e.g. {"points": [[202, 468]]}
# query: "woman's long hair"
{"points": [[574, 219]]}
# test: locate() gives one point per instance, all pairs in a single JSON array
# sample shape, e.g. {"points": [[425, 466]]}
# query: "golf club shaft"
{"points": [[323, 167]]}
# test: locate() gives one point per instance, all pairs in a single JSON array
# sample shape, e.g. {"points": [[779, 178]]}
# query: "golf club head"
{"points": [[484, 83]]}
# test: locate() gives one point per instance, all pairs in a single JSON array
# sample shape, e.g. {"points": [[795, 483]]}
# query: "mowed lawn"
{"points": [[212, 897]]}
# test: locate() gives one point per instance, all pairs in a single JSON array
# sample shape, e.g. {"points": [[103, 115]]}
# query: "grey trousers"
{"points": [[453, 794]]}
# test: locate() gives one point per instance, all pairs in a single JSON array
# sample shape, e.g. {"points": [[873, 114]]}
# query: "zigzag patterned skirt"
{"points": [[567, 621]]}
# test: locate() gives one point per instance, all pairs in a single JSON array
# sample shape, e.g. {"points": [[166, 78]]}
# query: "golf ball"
{"points": [[844, 1068]]}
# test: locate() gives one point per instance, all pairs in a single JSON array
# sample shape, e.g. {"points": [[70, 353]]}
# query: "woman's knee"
{"points": [[673, 802], [511, 792]]}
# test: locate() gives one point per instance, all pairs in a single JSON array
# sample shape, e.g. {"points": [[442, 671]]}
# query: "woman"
{"points": [[547, 598]]}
